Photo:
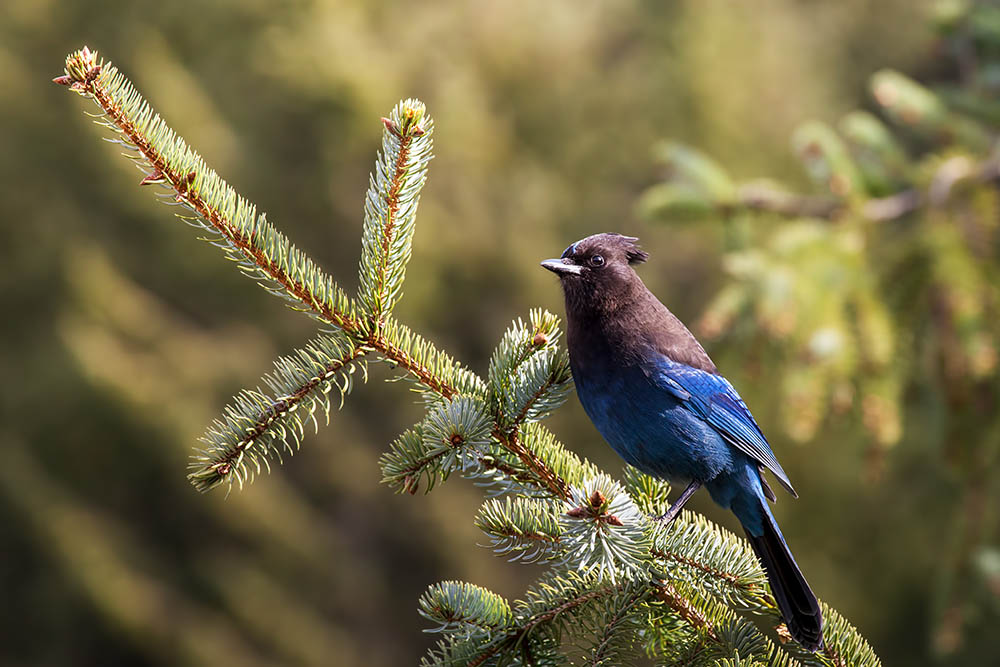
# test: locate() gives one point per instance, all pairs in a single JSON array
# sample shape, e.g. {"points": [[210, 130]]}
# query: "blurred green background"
{"points": [[123, 336]]}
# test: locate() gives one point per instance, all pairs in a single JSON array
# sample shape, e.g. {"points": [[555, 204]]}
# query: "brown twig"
{"points": [[684, 608], [555, 484], [392, 201], [952, 172], [728, 577]]}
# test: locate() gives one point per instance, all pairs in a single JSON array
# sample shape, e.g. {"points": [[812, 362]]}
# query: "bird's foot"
{"points": [[669, 516], [675, 509]]}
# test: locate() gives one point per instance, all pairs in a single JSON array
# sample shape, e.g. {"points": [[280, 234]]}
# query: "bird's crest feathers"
{"points": [[634, 253], [609, 242]]}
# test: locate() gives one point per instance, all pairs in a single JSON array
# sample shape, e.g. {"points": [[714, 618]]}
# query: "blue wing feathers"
{"points": [[674, 388], [715, 400]]}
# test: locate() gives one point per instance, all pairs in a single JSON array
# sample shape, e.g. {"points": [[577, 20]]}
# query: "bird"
{"points": [[657, 398]]}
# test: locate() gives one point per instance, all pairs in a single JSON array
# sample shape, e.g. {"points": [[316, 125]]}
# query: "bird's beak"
{"points": [[562, 267]]}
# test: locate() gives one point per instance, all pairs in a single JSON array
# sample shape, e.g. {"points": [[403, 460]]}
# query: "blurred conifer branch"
{"points": [[823, 287], [879, 291], [619, 585]]}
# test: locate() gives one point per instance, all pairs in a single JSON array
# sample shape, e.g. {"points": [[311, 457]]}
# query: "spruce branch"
{"points": [[457, 604], [711, 631], [580, 605], [528, 377], [529, 374], [617, 629], [546, 478], [256, 428], [683, 607], [391, 208], [726, 564], [549, 612], [651, 495], [407, 463], [262, 252], [525, 529], [440, 377], [415, 461], [844, 646], [603, 531], [455, 435], [269, 257], [553, 461]]}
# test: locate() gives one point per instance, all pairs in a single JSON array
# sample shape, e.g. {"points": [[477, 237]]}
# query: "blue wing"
{"points": [[715, 400]]}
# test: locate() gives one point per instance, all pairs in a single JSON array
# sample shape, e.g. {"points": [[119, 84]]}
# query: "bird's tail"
{"points": [[795, 599]]}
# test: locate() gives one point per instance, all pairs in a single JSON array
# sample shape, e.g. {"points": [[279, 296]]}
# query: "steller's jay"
{"points": [[657, 398]]}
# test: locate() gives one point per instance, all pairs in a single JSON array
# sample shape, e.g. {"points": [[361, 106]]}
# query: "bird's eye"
{"points": [[597, 260]]}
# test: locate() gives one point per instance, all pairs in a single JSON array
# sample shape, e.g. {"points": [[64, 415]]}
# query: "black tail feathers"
{"points": [[796, 601]]}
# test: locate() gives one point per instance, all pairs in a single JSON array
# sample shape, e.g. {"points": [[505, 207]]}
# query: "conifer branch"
{"points": [[856, 173], [666, 199], [529, 374], [603, 530], [717, 573], [391, 207], [516, 635], [558, 606], [621, 625], [453, 604], [693, 542], [843, 646], [567, 606], [268, 253], [412, 458], [256, 428], [425, 363], [684, 608], [526, 529]]}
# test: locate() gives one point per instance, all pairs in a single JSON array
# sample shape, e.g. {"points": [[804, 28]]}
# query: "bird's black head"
{"points": [[597, 259], [596, 272]]}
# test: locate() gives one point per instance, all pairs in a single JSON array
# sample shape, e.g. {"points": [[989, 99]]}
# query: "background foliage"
{"points": [[122, 335]]}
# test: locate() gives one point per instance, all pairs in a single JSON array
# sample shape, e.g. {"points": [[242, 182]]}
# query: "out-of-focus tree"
{"points": [[876, 297]]}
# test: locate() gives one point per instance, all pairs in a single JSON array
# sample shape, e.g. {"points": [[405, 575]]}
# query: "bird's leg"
{"points": [[675, 509]]}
